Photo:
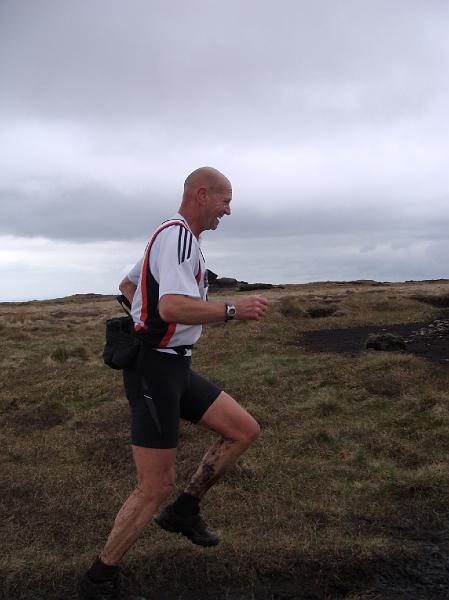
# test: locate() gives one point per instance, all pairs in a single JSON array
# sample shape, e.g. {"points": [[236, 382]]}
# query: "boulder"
{"points": [[211, 276], [386, 342], [250, 287], [225, 282]]}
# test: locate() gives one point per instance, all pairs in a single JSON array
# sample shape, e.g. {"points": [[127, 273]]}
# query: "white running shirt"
{"points": [[172, 264]]}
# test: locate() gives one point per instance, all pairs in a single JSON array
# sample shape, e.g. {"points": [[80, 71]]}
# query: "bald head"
{"points": [[206, 199], [206, 177]]}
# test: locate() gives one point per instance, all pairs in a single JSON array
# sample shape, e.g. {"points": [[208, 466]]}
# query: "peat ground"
{"points": [[428, 340], [343, 496]]}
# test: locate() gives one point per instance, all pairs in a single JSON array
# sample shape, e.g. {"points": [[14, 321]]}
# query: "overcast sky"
{"points": [[329, 117]]}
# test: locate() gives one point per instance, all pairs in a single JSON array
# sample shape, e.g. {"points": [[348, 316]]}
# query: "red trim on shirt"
{"points": [[143, 279], [198, 275], [168, 336], [146, 266]]}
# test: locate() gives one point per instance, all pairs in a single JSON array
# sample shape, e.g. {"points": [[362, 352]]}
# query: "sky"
{"points": [[329, 117]]}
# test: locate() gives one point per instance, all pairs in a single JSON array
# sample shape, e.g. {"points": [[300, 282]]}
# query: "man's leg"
{"points": [[155, 475], [155, 480], [237, 430]]}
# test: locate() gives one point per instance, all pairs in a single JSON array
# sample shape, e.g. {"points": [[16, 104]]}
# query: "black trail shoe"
{"points": [[193, 527], [113, 589]]}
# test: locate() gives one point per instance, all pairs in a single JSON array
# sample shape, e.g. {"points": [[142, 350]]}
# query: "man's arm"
{"points": [[128, 289], [174, 308]]}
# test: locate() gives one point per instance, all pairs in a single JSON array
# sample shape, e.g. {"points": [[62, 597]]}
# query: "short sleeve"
{"points": [[134, 274], [176, 262]]}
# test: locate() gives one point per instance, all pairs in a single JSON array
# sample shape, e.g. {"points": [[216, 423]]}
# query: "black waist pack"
{"points": [[122, 345]]}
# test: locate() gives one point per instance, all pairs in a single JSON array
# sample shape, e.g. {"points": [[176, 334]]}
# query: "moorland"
{"points": [[344, 495]]}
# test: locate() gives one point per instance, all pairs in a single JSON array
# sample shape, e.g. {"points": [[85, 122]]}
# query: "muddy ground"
{"points": [[428, 340], [423, 577]]}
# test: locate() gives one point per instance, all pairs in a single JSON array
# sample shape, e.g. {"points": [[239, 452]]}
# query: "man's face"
{"points": [[218, 205]]}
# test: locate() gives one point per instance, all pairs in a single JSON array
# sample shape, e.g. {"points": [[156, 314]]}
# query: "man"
{"points": [[168, 291]]}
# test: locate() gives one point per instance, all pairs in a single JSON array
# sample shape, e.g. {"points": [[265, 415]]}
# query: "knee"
{"points": [[157, 489], [250, 433]]}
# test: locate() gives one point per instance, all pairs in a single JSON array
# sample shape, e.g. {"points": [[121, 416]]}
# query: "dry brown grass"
{"points": [[353, 460]]}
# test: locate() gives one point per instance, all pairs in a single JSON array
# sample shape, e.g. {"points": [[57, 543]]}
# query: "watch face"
{"points": [[231, 311]]}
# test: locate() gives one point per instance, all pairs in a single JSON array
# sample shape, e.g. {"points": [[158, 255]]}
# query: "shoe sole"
{"points": [[167, 526]]}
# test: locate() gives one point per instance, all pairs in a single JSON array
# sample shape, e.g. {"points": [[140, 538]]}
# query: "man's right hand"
{"points": [[250, 308]]}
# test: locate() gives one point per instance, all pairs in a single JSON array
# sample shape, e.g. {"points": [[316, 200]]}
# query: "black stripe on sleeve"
{"points": [[184, 246], [179, 244], [190, 245]]}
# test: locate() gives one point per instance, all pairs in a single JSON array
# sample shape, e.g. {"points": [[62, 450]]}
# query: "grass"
{"points": [[353, 456]]}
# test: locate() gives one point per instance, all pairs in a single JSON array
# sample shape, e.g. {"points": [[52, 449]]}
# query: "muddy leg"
{"points": [[237, 429], [219, 458], [155, 484]]}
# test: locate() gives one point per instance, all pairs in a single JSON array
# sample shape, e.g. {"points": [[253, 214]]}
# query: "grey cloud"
{"points": [[80, 214], [332, 257], [207, 67], [89, 213], [345, 219]]}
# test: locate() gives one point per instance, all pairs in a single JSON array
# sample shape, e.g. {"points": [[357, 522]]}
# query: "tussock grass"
{"points": [[353, 453], [62, 354], [289, 307]]}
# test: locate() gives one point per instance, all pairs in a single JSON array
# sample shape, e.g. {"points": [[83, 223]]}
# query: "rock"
{"points": [[225, 282], [211, 276], [242, 286], [386, 342], [249, 287], [371, 282]]}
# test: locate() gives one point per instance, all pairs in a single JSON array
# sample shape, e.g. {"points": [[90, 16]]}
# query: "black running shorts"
{"points": [[170, 391]]}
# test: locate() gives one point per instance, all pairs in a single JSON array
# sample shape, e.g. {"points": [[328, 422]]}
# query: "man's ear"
{"points": [[201, 194]]}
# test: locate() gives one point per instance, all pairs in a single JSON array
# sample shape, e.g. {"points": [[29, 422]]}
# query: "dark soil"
{"points": [[428, 340], [422, 576]]}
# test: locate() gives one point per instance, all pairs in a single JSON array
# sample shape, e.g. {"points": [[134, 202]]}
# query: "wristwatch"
{"points": [[230, 311]]}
